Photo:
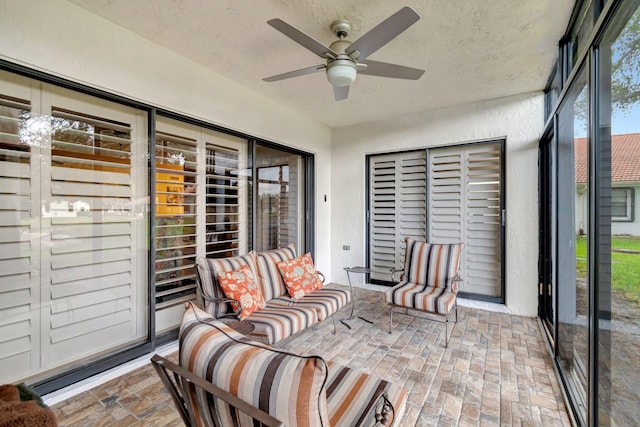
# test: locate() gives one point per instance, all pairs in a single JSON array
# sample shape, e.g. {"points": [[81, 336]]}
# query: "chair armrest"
{"points": [[394, 274], [322, 278], [179, 382], [454, 283]]}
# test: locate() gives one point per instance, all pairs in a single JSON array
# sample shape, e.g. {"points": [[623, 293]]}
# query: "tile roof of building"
{"points": [[625, 150]]}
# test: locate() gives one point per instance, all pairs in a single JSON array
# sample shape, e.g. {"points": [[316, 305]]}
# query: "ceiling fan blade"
{"points": [[383, 69], [341, 92], [301, 38], [383, 33], [296, 73]]}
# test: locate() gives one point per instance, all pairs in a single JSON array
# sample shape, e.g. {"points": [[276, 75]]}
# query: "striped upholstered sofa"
{"points": [[298, 390], [282, 316]]}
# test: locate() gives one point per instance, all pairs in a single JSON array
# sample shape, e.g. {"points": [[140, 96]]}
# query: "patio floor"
{"points": [[496, 371]]}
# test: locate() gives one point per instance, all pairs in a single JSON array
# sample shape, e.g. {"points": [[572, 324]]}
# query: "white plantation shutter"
{"points": [[94, 289], [465, 205], [72, 248], [223, 213], [446, 201], [199, 209], [397, 203], [18, 280], [176, 219]]}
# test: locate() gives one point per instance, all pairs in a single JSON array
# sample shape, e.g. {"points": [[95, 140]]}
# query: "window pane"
{"points": [[572, 229], [581, 31], [618, 284]]}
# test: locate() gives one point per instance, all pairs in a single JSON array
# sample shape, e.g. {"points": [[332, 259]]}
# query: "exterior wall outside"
{"points": [[62, 39], [631, 228], [518, 118]]}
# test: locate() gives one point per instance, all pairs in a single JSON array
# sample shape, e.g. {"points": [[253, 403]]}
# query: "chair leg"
{"points": [[390, 317], [334, 323], [446, 332], [446, 325], [455, 306]]}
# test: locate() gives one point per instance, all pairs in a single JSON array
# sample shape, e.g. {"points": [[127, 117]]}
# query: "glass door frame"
{"points": [[546, 281], [308, 172]]}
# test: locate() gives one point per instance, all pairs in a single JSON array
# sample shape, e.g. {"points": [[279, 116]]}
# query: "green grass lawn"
{"points": [[625, 268]]}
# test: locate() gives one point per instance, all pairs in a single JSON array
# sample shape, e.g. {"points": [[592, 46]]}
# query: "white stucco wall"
{"points": [[64, 40], [518, 118]]}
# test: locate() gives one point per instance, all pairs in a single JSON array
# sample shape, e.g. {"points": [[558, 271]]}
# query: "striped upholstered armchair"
{"points": [[428, 281]]}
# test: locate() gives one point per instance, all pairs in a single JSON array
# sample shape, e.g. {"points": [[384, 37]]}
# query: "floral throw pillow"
{"points": [[241, 286], [299, 275]]}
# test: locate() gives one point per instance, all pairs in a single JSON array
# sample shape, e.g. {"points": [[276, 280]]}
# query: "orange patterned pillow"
{"points": [[299, 275], [240, 285]]}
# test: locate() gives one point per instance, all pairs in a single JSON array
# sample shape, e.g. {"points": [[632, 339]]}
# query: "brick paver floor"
{"points": [[495, 372]]}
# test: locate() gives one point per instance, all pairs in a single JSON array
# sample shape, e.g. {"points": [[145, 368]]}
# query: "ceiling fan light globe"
{"points": [[341, 74]]}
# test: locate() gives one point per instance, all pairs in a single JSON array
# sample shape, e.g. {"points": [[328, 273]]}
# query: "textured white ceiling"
{"points": [[471, 49]]}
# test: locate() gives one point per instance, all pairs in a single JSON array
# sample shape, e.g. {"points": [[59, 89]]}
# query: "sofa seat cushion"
{"points": [[325, 301], [426, 298], [270, 279], [275, 322], [287, 386], [354, 398]]}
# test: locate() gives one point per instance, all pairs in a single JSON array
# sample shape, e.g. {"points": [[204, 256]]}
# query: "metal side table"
{"points": [[356, 270]]}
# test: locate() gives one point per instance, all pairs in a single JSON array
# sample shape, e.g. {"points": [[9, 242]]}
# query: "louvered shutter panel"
{"points": [[176, 219], [223, 212], [484, 220], [94, 283], [19, 285], [446, 189], [464, 206], [397, 208]]}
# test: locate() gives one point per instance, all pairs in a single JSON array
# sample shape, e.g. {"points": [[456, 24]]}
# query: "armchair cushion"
{"points": [[432, 299], [355, 398], [289, 387], [432, 264], [240, 285]]}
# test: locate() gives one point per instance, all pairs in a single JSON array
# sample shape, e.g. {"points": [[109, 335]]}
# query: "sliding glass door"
{"points": [[590, 222], [617, 221], [572, 237], [280, 205], [73, 229]]}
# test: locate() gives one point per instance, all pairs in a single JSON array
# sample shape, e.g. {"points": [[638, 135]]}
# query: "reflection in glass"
{"points": [[572, 257], [280, 196], [618, 281]]}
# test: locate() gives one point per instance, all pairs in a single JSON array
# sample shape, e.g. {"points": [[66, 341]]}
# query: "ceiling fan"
{"points": [[344, 59]]}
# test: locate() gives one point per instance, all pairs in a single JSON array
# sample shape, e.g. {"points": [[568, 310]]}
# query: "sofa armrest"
{"points": [[234, 313]]}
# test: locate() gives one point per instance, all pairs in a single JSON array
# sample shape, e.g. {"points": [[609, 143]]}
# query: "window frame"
{"points": [[629, 204]]}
